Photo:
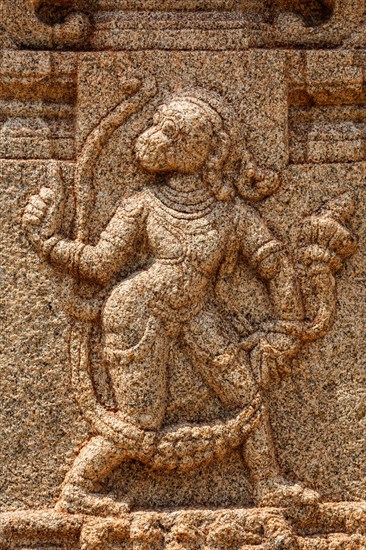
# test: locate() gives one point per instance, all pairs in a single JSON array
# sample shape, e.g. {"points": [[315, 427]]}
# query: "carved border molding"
{"points": [[333, 526], [22, 23], [124, 25]]}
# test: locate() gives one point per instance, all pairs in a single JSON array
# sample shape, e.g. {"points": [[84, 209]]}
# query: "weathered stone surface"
{"points": [[183, 267]]}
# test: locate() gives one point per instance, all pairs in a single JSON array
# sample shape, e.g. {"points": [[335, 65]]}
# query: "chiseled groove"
{"points": [[35, 109]]}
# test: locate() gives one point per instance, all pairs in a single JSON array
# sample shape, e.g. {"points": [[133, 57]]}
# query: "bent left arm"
{"points": [[268, 257], [275, 343]]}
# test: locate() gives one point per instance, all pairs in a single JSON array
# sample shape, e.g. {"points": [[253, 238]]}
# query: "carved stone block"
{"points": [[183, 269]]}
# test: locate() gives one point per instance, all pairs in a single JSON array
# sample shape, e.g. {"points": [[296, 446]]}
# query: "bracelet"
{"points": [[49, 245]]}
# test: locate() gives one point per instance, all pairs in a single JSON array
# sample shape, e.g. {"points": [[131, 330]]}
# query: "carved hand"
{"points": [[41, 216], [325, 243], [263, 175], [270, 355]]}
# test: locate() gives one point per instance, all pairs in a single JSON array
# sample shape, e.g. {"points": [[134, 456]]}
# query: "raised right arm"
{"points": [[97, 263]]}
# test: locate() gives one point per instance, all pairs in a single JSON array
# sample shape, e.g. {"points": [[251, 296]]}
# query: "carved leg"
{"points": [[270, 488], [140, 388], [136, 348], [96, 461], [213, 347], [140, 385]]}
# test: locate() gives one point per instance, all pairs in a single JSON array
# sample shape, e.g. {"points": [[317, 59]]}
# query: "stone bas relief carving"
{"points": [[191, 224], [183, 218]]}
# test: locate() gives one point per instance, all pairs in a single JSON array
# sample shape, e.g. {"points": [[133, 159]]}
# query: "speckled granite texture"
{"points": [[183, 273]]}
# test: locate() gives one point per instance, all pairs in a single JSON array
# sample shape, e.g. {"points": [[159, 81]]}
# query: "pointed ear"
{"points": [[221, 149]]}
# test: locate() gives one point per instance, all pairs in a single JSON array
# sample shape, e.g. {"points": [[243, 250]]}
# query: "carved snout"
{"points": [[154, 151]]}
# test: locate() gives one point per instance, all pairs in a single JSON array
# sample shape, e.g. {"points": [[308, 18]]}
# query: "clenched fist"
{"points": [[325, 237], [42, 216], [38, 209]]}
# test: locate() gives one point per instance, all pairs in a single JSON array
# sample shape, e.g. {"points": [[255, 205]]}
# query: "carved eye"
{"points": [[169, 128]]}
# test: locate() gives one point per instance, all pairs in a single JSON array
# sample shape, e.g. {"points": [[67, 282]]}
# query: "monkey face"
{"points": [[180, 140]]}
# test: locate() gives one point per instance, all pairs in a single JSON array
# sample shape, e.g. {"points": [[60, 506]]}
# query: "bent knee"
{"points": [[125, 315]]}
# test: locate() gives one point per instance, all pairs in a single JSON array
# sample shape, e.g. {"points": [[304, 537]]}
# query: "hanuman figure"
{"points": [[193, 220]]}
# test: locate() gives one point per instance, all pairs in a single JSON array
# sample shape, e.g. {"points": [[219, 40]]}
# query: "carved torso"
{"points": [[186, 244], [193, 236], [188, 236]]}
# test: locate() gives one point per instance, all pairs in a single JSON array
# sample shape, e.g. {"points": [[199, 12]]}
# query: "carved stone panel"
{"points": [[183, 268]]}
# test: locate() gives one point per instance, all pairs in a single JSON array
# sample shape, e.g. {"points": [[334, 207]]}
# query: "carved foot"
{"points": [[283, 494], [75, 499]]}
